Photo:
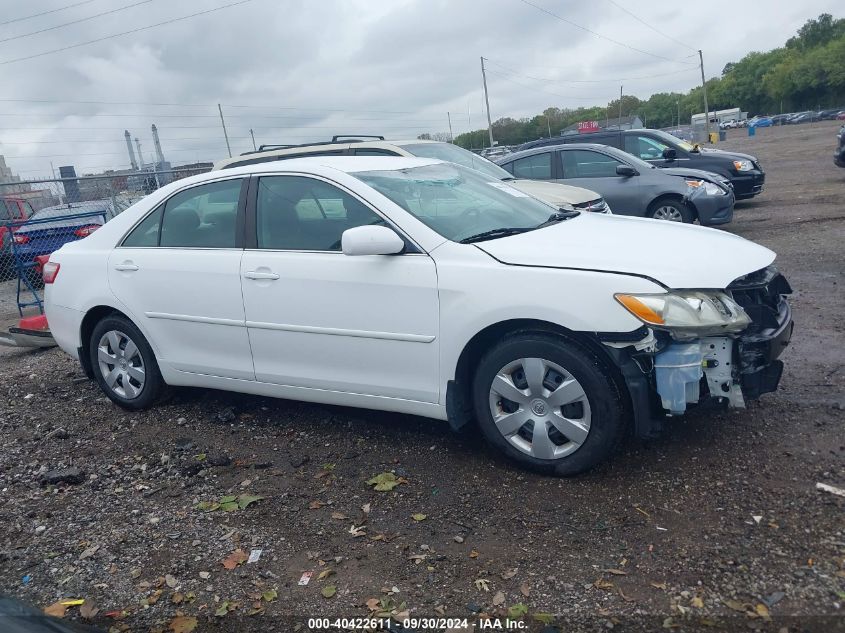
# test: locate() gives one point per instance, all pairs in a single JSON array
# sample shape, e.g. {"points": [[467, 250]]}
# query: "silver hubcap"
{"points": [[667, 212], [540, 408], [121, 364]]}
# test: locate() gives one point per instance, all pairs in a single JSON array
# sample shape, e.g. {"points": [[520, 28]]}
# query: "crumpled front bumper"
{"points": [[665, 377]]}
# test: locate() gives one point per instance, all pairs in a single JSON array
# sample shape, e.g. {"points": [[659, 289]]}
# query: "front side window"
{"points": [[457, 202], [644, 147], [305, 214], [202, 217], [536, 167], [582, 163]]}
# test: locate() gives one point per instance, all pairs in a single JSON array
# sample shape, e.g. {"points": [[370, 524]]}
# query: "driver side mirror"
{"points": [[371, 240], [670, 154], [626, 170]]}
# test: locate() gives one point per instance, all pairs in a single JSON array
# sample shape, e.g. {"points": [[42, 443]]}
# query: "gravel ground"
{"points": [[716, 526]]}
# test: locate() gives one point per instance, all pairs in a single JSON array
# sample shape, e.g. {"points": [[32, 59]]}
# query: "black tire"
{"points": [[687, 214], [153, 387], [608, 419]]}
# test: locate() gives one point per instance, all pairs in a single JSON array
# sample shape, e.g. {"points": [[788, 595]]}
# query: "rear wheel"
{"points": [[671, 210], [124, 364], [548, 403]]}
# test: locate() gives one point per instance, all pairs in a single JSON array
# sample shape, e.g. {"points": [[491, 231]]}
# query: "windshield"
{"points": [[458, 202], [459, 155], [674, 140]]}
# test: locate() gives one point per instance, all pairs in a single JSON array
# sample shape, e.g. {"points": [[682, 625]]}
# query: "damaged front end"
{"points": [[704, 347]]}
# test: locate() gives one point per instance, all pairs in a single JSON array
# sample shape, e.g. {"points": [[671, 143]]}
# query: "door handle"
{"points": [[254, 274], [126, 266]]}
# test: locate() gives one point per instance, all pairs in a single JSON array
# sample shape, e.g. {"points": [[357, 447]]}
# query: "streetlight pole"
{"points": [[487, 103], [223, 123]]}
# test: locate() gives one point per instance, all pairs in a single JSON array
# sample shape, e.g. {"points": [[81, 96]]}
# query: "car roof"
{"points": [[346, 164], [317, 146]]}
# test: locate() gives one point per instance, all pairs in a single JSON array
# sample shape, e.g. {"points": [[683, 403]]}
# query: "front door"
{"points": [[178, 273], [319, 319], [597, 171]]}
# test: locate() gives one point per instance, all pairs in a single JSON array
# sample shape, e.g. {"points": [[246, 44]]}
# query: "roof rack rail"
{"points": [[355, 137]]}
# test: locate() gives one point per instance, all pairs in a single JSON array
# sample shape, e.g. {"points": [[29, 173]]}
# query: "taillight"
{"points": [[85, 231], [50, 271], [21, 239]]}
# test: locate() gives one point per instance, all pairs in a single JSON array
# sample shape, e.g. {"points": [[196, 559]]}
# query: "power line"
{"points": [[90, 17], [588, 81], [108, 37], [599, 35], [37, 15], [505, 77], [641, 21]]}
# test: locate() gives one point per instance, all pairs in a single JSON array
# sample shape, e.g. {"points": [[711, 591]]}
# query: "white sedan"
{"points": [[422, 287]]}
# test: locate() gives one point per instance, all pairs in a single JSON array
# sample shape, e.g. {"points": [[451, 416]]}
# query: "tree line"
{"points": [[807, 73]]}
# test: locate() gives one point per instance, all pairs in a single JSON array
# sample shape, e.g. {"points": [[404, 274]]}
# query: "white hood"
{"points": [[676, 255], [554, 193]]}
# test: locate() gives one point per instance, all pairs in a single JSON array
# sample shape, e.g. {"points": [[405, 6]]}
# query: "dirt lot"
{"points": [[717, 526]]}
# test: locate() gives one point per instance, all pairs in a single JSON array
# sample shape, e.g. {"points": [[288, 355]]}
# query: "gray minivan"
{"points": [[629, 185]]}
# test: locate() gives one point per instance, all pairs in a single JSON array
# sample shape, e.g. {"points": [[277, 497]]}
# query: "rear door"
{"points": [[178, 273]]}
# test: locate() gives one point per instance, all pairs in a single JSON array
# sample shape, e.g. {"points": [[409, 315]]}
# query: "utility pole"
{"points": [[549, 123], [620, 107], [487, 102], [679, 112], [451, 136], [223, 123], [252, 134], [704, 89]]}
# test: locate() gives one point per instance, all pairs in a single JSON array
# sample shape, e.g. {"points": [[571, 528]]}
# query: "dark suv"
{"points": [[839, 153], [664, 150]]}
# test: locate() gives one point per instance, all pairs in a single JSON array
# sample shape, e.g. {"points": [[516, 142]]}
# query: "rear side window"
{"points": [[536, 167], [202, 217], [146, 233]]}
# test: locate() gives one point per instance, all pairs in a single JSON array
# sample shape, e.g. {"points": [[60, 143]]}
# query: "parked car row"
{"points": [[795, 118]]}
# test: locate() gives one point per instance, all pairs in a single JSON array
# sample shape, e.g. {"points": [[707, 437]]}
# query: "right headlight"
{"points": [[743, 165], [687, 314]]}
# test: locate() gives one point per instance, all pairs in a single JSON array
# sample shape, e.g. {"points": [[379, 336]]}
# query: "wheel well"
{"points": [[674, 197], [486, 338], [90, 320]]}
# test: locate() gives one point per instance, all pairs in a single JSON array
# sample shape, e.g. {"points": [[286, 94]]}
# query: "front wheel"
{"points": [[124, 364], [548, 403], [671, 210]]}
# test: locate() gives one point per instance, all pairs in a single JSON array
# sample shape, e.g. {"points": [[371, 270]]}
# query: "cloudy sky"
{"points": [[297, 70]]}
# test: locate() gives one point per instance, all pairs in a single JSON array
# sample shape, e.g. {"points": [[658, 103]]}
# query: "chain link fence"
{"points": [[38, 216]]}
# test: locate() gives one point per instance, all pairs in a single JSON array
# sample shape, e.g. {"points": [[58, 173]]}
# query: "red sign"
{"points": [[588, 126]]}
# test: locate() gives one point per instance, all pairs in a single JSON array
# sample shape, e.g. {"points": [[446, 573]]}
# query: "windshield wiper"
{"points": [[494, 233], [559, 216]]}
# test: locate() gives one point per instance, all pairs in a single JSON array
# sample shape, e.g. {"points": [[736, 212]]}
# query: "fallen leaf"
{"points": [[373, 604], [615, 572], [473, 554], [524, 589], [245, 500], [601, 583], [482, 584], [623, 596], [419, 517], [340, 516], [735, 605], [238, 557], [328, 591], [316, 505], [269, 595], [88, 553], [325, 574], [697, 602], [545, 618], [88, 609], [57, 609], [499, 598], [384, 482], [658, 585], [222, 610], [510, 573], [356, 531], [170, 581], [207, 506], [177, 598], [229, 506], [182, 624], [517, 611], [762, 610], [365, 508]]}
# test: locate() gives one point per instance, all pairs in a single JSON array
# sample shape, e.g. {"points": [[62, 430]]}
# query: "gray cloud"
{"points": [[310, 69]]}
